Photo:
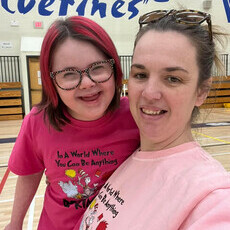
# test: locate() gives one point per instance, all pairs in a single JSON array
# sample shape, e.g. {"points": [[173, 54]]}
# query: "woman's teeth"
{"points": [[151, 112]]}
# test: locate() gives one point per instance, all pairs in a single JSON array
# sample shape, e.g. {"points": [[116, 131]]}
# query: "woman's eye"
{"points": [[172, 79], [140, 76]]}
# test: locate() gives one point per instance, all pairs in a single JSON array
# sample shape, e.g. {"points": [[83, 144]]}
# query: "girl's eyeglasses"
{"points": [[191, 17], [70, 78]]}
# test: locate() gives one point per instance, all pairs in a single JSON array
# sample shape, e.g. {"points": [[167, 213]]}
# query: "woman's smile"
{"points": [[163, 87]]}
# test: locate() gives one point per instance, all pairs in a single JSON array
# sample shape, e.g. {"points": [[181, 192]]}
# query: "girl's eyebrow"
{"points": [[76, 68]]}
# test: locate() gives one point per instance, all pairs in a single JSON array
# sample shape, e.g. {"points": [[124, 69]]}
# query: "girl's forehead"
{"points": [[76, 53]]}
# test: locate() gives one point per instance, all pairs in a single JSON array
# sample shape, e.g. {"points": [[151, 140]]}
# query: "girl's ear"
{"points": [[203, 91]]}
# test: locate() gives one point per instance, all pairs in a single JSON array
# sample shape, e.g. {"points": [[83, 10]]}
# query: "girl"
{"points": [[80, 132]]}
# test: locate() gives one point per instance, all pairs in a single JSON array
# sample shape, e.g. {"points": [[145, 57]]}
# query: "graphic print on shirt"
{"points": [[78, 188], [82, 172], [89, 220], [110, 201], [71, 188]]}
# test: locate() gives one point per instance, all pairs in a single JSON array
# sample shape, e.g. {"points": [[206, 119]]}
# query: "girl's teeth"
{"points": [[150, 112]]}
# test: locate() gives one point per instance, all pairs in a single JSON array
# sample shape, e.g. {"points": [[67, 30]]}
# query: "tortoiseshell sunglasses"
{"points": [[191, 17]]}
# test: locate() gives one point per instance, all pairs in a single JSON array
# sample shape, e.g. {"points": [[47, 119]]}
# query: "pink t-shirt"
{"points": [[174, 189], [77, 160]]}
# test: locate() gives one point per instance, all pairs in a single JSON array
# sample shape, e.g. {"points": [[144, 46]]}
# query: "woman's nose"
{"points": [[86, 82], [152, 91]]}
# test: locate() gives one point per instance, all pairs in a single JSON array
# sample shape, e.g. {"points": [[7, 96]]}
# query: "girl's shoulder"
{"points": [[124, 103], [123, 112], [35, 112], [34, 116]]}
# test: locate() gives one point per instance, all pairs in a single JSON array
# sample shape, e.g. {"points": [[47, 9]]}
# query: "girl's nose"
{"points": [[86, 82]]}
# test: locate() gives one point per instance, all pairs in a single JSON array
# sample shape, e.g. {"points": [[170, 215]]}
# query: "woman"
{"points": [[80, 132], [170, 182]]}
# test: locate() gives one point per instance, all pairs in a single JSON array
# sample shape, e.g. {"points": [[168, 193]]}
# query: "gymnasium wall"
{"points": [[23, 24], [118, 17]]}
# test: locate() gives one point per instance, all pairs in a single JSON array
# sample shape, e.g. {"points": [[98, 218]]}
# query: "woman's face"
{"points": [[163, 90], [89, 100]]}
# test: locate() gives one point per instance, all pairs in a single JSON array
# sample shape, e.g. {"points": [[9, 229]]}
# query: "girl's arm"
{"points": [[25, 190]]}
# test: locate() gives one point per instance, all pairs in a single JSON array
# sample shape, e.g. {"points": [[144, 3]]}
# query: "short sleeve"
{"points": [[24, 160]]}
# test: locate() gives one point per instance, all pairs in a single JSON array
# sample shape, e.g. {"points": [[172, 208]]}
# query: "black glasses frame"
{"points": [[181, 16], [86, 70]]}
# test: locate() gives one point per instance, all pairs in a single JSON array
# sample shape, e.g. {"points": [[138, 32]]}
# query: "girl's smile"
{"points": [[89, 100]]}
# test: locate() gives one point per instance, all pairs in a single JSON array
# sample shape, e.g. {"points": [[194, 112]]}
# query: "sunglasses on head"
{"points": [[190, 17]]}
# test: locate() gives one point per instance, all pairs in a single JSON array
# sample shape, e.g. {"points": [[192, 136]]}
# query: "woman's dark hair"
{"points": [[199, 37]]}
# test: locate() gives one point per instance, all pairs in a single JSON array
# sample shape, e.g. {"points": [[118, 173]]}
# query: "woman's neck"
{"points": [[148, 144]]}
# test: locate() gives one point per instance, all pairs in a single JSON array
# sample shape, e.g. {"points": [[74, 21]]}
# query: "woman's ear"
{"points": [[203, 91]]}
